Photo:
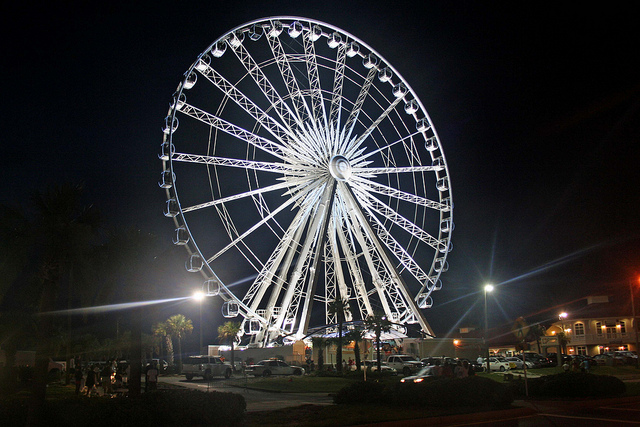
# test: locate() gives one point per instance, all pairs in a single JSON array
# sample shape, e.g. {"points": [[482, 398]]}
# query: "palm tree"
{"points": [[339, 307], [356, 335], [378, 323], [319, 343], [228, 332], [162, 330], [536, 331], [178, 327]]}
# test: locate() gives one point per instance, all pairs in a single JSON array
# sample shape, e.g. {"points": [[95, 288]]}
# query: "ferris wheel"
{"points": [[300, 168]]}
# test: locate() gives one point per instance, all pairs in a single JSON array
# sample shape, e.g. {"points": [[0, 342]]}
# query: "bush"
{"points": [[572, 384], [434, 392], [165, 407]]}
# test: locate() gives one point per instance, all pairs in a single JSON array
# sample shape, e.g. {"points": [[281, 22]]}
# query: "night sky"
{"points": [[537, 109]]}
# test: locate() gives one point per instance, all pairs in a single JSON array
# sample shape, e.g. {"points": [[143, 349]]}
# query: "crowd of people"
{"points": [[99, 379]]}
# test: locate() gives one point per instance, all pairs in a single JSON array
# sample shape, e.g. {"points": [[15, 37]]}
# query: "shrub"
{"points": [[573, 384]]}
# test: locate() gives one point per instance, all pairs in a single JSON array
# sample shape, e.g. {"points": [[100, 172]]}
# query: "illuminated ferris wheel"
{"points": [[301, 168]]}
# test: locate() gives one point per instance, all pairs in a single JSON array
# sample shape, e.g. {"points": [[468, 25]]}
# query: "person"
{"points": [[459, 371], [437, 369], [472, 370], [447, 371], [467, 368], [78, 378], [584, 366], [90, 382], [152, 377], [106, 378]]}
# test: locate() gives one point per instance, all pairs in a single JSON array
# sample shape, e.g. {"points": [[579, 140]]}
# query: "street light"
{"points": [[561, 317], [199, 296], [487, 289]]}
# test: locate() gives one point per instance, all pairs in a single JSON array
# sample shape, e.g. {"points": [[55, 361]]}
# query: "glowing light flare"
{"points": [[489, 288], [198, 295], [113, 307]]}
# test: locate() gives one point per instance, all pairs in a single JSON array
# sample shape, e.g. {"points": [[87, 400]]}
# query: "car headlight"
{"points": [[418, 380]]}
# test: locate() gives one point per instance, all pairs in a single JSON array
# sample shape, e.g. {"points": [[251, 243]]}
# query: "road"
{"points": [[256, 400]]}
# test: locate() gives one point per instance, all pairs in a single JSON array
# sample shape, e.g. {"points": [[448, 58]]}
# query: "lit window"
{"points": [[622, 327], [579, 328]]}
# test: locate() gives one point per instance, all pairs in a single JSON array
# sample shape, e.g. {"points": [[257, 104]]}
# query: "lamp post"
{"points": [[561, 317], [199, 296], [487, 289], [635, 321]]}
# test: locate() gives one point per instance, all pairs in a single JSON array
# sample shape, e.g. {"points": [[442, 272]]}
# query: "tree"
{"points": [[536, 331], [161, 330], [319, 343], [228, 332], [339, 307], [63, 230], [178, 327], [377, 323], [356, 336]]}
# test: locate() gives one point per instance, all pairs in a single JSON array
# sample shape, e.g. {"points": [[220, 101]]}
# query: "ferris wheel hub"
{"points": [[340, 168]]}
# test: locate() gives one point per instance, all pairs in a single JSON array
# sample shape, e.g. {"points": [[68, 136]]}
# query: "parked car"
{"points": [[629, 357], [206, 367], [266, 368], [498, 364], [405, 363], [372, 365], [424, 373], [518, 363]]}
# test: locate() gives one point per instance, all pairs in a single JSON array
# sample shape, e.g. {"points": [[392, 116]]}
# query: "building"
{"points": [[594, 325]]}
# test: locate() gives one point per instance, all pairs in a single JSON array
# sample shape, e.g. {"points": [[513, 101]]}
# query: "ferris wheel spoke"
{"points": [[356, 161], [370, 172], [280, 107], [260, 223], [355, 144], [238, 196], [338, 80], [367, 185], [279, 131], [395, 248], [276, 149], [314, 80], [375, 205], [357, 106], [244, 164], [302, 109]]}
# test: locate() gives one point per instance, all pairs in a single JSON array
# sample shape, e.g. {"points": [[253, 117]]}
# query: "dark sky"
{"points": [[538, 111]]}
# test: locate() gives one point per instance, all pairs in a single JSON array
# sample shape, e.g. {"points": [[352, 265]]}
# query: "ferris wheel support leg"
{"points": [[311, 289]]}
